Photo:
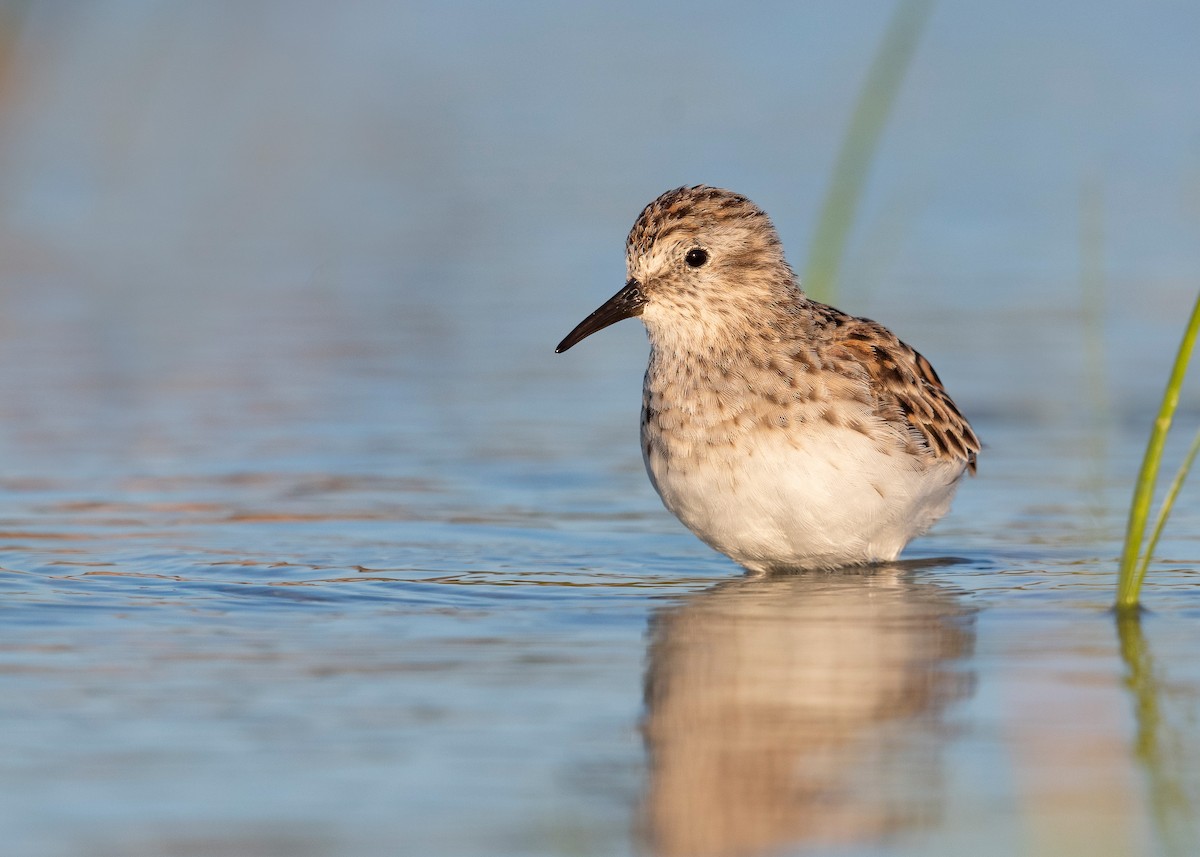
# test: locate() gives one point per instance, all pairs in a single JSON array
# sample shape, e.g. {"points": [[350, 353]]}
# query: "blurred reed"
{"points": [[875, 101], [1091, 295]]}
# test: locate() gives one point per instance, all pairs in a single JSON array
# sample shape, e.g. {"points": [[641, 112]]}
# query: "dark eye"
{"points": [[696, 257]]}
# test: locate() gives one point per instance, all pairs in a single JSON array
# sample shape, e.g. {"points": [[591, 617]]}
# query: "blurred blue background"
{"points": [[165, 166], [279, 288]]}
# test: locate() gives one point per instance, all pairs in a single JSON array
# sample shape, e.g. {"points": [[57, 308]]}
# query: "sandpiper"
{"points": [[781, 431]]}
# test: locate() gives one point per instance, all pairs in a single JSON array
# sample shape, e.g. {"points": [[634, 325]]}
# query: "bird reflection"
{"points": [[804, 708]]}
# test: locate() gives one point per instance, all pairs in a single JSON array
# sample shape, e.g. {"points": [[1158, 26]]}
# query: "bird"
{"points": [[784, 433]]}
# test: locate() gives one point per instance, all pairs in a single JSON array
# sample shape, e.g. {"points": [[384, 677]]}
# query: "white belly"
{"points": [[828, 498]]}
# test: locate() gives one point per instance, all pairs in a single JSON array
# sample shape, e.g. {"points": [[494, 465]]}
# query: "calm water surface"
{"points": [[309, 545]]}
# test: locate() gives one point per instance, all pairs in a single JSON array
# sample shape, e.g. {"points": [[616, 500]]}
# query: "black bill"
{"points": [[624, 304]]}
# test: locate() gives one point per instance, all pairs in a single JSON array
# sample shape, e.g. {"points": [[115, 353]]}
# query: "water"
{"points": [[309, 544]]}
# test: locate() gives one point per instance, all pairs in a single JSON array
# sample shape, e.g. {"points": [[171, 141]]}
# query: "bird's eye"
{"points": [[696, 257]]}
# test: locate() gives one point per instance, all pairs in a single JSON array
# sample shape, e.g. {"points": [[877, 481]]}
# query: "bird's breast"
{"points": [[692, 407]]}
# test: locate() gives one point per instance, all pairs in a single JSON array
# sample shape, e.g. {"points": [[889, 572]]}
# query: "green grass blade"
{"points": [[1129, 582], [875, 101], [1168, 503]]}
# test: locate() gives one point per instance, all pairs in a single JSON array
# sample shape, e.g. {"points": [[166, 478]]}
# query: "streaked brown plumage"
{"points": [[782, 431]]}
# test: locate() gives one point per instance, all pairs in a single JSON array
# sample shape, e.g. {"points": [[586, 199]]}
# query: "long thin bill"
{"points": [[624, 304]]}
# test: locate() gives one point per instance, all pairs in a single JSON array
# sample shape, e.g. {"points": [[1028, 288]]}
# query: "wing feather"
{"points": [[907, 390]]}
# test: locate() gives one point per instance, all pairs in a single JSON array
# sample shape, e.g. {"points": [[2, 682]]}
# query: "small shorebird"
{"points": [[781, 431]]}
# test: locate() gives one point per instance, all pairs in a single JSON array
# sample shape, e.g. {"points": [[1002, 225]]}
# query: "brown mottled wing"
{"points": [[908, 391]]}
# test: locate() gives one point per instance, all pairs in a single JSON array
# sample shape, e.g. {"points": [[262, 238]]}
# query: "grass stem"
{"points": [[1168, 503], [1133, 564]]}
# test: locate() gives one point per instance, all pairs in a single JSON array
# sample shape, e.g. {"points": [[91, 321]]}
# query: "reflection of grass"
{"points": [[1157, 746], [1135, 561], [875, 100]]}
